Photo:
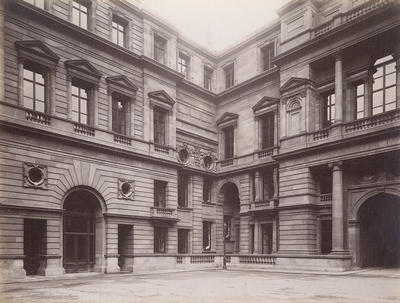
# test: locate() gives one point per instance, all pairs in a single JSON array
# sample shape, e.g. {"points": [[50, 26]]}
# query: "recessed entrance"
{"points": [[82, 231], [380, 231], [34, 244]]}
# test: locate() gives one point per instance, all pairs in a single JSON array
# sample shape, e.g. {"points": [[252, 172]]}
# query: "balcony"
{"points": [[264, 205], [162, 213], [267, 152], [374, 121], [40, 118]]}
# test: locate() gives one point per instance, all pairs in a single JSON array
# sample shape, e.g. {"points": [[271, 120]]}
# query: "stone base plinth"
{"points": [[11, 269]]}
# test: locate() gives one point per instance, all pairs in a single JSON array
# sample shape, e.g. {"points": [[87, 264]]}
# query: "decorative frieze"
{"points": [[194, 156]]}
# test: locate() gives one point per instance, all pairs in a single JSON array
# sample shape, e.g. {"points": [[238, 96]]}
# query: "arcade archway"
{"points": [[379, 218]]}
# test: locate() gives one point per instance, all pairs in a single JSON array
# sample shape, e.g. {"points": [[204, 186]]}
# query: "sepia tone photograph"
{"points": [[189, 151]]}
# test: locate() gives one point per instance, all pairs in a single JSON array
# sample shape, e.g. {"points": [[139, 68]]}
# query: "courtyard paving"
{"points": [[209, 286]]}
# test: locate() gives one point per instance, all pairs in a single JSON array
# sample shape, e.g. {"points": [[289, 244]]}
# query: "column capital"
{"points": [[336, 165], [338, 55]]}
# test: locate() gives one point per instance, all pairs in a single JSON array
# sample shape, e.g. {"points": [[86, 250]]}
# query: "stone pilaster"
{"points": [[338, 88]]}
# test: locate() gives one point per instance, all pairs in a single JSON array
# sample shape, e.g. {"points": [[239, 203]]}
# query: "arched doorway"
{"points": [[229, 194], [83, 232], [380, 231]]}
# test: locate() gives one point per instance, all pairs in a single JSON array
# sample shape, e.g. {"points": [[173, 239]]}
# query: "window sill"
{"points": [[208, 252], [184, 208]]}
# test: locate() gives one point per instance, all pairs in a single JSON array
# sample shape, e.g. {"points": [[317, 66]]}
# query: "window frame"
{"points": [[207, 81], [77, 9], [229, 142], [267, 50], [81, 85], [267, 132], [160, 191], [35, 70], [124, 116], [207, 235], [124, 24], [207, 189], [328, 109], [35, 54], [183, 190], [160, 122], [229, 72], [160, 239], [384, 88], [184, 64], [159, 44], [186, 233]]}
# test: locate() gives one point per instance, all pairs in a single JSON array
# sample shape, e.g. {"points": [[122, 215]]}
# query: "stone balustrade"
{"points": [[325, 198], [122, 139], [84, 129], [37, 117], [163, 213], [376, 120]]}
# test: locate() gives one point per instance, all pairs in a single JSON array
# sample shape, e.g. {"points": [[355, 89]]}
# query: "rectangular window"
{"points": [[80, 100], [328, 110], [118, 31], [266, 234], [208, 72], [326, 236], [229, 141], [160, 45], [160, 125], [119, 114], [160, 193], [268, 185], [267, 53], [183, 241], [359, 106], [80, 13], [207, 235], [206, 190], [183, 190], [252, 236], [267, 131], [160, 239], [37, 3], [227, 227], [34, 90], [229, 75], [237, 238], [183, 65], [384, 86]]}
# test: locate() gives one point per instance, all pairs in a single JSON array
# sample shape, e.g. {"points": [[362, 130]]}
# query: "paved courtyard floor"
{"points": [[209, 286]]}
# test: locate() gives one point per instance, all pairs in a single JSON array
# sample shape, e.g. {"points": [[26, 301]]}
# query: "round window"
{"points": [[208, 162], [183, 155], [126, 189], [35, 175]]}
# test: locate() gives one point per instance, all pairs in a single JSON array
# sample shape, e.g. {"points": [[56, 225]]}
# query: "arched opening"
{"points": [[83, 232], [231, 209], [380, 231]]}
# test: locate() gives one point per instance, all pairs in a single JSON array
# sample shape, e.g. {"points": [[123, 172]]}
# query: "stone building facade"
{"points": [[126, 147]]}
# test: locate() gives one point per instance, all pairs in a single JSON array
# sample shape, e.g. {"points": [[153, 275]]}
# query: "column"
{"points": [[256, 237], [337, 209], [258, 186], [338, 88]]}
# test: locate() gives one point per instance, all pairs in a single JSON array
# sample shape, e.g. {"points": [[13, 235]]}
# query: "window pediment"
{"points": [[37, 51], [227, 119], [122, 85], [161, 98], [293, 105], [264, 103], [294, 83], [83, 69]]}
